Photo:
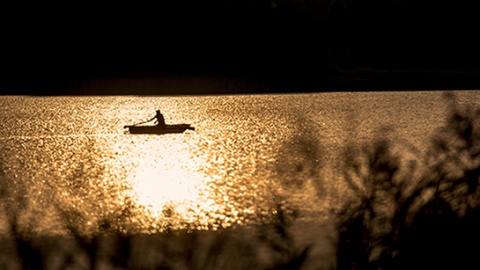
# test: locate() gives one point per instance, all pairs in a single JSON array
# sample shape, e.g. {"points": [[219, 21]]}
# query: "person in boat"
{"points": [[160, 120]]}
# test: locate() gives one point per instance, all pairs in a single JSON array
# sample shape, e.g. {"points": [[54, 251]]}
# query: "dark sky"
{"points": [[52, 47]]}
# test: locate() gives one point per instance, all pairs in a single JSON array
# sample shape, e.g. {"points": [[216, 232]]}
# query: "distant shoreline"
{"points": [[361, 79]]}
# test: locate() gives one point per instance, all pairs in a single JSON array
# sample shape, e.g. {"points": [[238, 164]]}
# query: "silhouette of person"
{"points": [[160, 120]]}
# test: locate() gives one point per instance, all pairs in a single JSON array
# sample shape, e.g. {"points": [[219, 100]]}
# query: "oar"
{"points": [[140, 123]]}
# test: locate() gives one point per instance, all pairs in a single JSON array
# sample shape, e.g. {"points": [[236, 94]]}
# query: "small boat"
{"points": [[159, 129]]}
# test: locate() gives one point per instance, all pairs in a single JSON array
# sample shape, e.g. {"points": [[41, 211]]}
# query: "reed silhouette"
{"points": [[407, 215]]}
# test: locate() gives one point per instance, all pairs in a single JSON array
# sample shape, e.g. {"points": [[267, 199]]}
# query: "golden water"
{"points": [[69, 160]]}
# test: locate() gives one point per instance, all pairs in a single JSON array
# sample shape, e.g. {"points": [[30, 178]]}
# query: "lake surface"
{"points": [[69, 159]]}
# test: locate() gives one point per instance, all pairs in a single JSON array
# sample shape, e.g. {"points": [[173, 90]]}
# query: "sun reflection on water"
{"points": [[167, 182], [157, 187]]}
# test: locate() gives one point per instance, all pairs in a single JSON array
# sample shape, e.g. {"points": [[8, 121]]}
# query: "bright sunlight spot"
{"points": [[160, 186], [166, 179]]}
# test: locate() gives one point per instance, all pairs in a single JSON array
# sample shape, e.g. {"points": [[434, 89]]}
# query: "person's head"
{"points": [[158, 111]]}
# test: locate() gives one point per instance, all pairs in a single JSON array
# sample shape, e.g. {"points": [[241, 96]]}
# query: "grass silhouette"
{"points": [[411, 215]]}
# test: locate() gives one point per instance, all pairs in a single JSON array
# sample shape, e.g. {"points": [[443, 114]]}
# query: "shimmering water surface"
{"points": [[69, 158]]}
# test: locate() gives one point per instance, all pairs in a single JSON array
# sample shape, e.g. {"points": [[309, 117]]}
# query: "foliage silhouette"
{"points": [[411, 215]]}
